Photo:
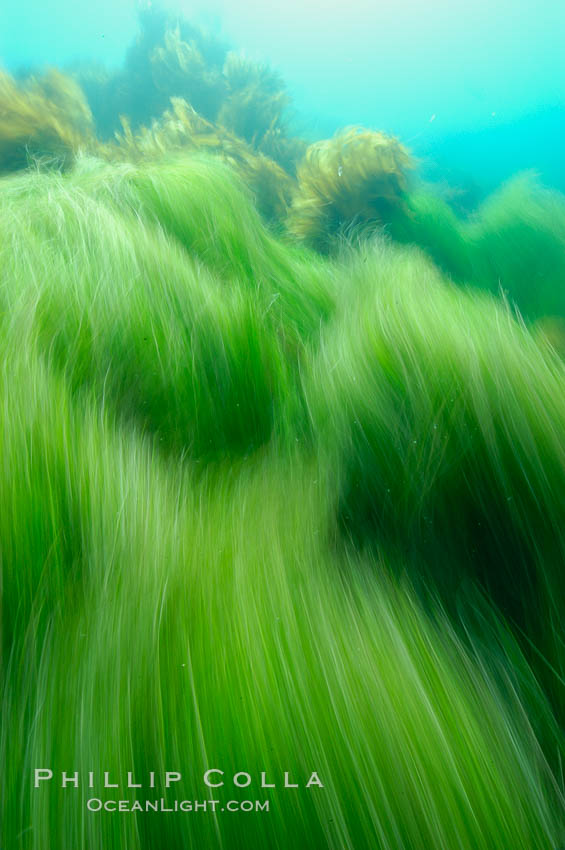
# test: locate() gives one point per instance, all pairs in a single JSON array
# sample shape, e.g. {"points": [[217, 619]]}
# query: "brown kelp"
{"points": [[256, 108], [170, 57], [181, 129], [256, 99], [44, 117], [180, 70], [359, 176], [236, 103]]}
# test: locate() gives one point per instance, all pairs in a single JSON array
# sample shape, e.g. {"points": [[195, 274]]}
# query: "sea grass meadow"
{"points": [[282, 461]]}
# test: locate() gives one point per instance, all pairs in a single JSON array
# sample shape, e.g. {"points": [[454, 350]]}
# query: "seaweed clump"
{"points": [[513, 244], [182, 129], [180, 69], [169, 58], [435, 397], [359, 176], [256, 99], [255, 109], [173, 58], [175, 476], [45, 117]]}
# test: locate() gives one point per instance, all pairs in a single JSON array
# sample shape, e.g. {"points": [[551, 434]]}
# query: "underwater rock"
{"points": [[358, 176]]}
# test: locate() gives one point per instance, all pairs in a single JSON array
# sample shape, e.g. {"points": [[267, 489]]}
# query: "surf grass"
{"points": [[433, 226], [207, 209], [189, 625], [513, 245], [176, 591], [118, 306], [446, 419], [518, 242]]}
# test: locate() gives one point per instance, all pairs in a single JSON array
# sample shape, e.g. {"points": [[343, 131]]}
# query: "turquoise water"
{"points": [[282, 418], [476, 90]]}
